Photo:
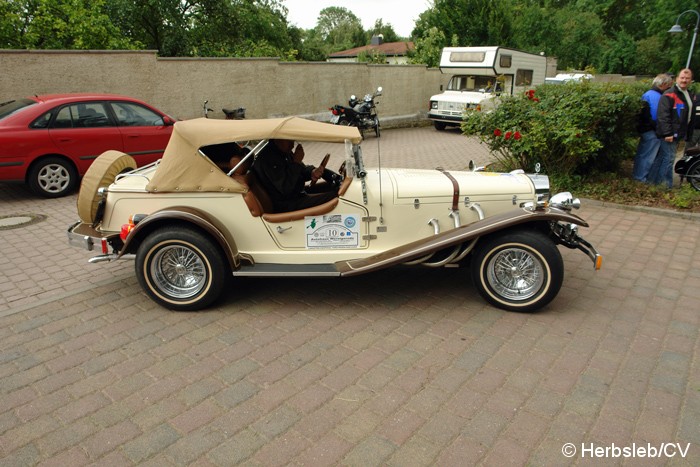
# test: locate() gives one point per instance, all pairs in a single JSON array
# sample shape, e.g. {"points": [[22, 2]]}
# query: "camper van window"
{"points": [[506, 61], [476, 57], [523, 77], [471, 83]]}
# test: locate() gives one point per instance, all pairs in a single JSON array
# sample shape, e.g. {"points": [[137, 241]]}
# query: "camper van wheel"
{"points": [[440, 126]]}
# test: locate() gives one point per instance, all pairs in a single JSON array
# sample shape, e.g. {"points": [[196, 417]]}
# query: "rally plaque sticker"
{"points": [[332, 231]]}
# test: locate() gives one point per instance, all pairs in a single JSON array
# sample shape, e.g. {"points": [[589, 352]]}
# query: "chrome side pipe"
{"points": [[110, 257], [456, 256]]}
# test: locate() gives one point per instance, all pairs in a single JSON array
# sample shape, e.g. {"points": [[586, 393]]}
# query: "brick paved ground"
{"points": [[419, 371]]}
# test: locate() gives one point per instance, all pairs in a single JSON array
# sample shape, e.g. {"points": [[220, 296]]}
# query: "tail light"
{"points": [[126, 229], [129, 226]]}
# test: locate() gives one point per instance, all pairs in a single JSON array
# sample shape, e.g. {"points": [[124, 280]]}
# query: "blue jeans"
{"points": [[646, 154], [662, 169]]}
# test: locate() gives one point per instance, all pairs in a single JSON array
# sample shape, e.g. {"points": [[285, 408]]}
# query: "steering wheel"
{"points": [[322, 166]]}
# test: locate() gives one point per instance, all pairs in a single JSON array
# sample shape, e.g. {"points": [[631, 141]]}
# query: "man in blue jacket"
{"points": [[648, 141], [675, 121]]}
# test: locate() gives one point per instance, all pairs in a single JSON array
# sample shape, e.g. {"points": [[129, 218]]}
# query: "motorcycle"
{"points": [[688, 166], [231, 114], [360, 114]]}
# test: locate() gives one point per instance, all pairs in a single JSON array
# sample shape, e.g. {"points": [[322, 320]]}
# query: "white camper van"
{"points": [[479, 75]]}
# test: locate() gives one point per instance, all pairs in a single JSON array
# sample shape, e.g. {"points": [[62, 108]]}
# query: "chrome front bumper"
{"points": [[567, 235]]}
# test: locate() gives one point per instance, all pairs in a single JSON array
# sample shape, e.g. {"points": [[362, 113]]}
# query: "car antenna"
{"points": [[381, 198]]}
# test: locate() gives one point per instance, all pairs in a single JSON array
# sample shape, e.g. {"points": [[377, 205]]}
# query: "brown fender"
{"points": [[453, 237], [190, 216]]}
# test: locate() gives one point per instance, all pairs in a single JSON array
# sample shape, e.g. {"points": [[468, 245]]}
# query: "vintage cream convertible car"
{"points": [[191, 226]]}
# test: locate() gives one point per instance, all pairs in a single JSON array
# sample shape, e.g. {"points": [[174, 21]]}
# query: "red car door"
{"points": [[83, 131], [145, 132]]}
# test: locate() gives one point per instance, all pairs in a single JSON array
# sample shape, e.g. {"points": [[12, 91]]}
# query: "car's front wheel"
{"points": [[518, 271], [52, 177], [181, 269]]}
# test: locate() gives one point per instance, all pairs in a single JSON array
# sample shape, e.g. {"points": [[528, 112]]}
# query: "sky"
{"points": [[401, 14]]}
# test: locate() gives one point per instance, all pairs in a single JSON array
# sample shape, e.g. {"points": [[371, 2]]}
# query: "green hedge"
{"points": [[569, 129]]}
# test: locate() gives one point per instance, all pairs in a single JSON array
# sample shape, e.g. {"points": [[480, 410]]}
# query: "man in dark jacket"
{"points": [[648, 141], [283, 175], [675, 121]]}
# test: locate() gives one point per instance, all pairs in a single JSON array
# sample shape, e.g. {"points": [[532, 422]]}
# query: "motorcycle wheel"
{"points": [[343, 121], [693, 175]]}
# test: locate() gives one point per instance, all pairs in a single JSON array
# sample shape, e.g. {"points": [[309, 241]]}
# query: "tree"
{"points": [[385, 30], [580, 39], [473, 22], [428, 48], [340, 29], [59, 24]]}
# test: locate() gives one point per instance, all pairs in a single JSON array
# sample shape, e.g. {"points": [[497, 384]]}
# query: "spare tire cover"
{"points": [[100, 174]]}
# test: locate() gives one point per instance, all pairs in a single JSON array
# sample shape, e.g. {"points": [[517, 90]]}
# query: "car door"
{"points": [[341, 229], [145, 133], [83, 131]]}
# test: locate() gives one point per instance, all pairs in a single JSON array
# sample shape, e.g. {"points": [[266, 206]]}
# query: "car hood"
{"points": [[437, 186]]}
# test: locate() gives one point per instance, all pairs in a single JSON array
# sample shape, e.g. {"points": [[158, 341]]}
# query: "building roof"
{"points": [[390, 49]]}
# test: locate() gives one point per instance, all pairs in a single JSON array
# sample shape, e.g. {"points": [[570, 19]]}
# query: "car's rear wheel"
{"points": [[52, 177], [181, 269], [518, 271], [101, 173]]}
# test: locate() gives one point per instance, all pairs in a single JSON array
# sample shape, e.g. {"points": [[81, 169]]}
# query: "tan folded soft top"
{"points": [[184, 169]]}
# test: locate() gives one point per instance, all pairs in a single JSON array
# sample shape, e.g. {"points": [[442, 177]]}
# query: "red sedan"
{"points": [[50, 141]]}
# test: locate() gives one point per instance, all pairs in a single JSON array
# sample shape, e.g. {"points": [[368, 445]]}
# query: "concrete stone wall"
{"points": [[179, 86]]}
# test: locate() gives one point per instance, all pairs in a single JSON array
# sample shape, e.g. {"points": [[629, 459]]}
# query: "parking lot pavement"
{"points": [[401, 367]]}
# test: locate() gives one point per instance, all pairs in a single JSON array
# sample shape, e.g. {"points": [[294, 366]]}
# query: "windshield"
{"points": [[473, 83], [10, 107]]}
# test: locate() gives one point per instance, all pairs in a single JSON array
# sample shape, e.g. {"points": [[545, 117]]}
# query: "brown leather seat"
{"points": [[260, 204]]}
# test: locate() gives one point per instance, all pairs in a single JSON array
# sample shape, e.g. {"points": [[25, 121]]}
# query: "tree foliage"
{"points": [[609, 36]]}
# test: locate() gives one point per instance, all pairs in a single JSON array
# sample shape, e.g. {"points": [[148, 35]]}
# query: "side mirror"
{"points": [[168, 120]]}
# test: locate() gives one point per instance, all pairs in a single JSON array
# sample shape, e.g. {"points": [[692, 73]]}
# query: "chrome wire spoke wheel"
{"points": [[515, 274], [179, 271], [181, 267], [518, 270]]}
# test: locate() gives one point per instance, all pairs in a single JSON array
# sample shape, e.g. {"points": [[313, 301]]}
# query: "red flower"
{"points": [[496, 132], [530, 94], [508, 133], [517, 136]]}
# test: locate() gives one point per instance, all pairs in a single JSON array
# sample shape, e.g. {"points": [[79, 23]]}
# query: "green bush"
{"points": [[570, 129]]}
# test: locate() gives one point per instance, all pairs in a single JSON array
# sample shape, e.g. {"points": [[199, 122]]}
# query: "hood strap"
{"points": [[455, 188]]}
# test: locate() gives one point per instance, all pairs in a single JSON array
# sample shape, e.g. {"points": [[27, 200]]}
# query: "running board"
{"points": [[288, 270]]}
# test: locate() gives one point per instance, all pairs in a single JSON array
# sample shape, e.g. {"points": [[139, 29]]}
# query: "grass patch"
{"points": [[622, 189]]}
